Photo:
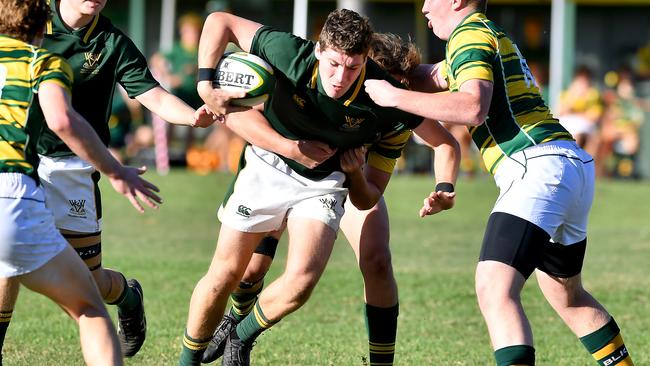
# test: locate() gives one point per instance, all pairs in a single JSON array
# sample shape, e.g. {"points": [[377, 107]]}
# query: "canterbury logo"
{"points": [[78, 207], [299, 101], [243, 211], [92, 60], [328, 203], [353, 123]]}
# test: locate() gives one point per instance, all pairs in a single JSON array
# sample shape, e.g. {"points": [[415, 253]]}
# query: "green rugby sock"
{"points": [[606, 345], [244, 297], [128, 300], [381, 324], [5, 318], [192, 350], [520, 355], [253, 325]]}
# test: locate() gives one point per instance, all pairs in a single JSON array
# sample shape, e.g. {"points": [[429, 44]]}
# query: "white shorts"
{"points": [[28, 237], [266, 191], [71, 193], [550, 185]]}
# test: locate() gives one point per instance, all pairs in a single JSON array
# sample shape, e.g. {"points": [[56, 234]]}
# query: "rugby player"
{"points": [[100, 56], [317, 97], [546, 182], [367, 231], [32, 251]]}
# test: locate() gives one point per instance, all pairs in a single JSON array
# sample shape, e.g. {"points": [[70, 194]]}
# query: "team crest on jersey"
{"points": [[77, 208], [92, 61], [300, 102], [352, 123]]}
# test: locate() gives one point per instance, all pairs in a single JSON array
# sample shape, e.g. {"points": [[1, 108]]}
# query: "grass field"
{"points": [[434, 261]]}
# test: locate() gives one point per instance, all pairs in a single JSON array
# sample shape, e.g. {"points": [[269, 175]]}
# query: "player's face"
{"points": [[85, 7], [338, 70], [436, 13]]}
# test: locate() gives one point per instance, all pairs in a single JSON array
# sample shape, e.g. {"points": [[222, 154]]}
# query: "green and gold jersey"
{"points": [[299, 108], [23, 69], [518, 117], [100, 56]]}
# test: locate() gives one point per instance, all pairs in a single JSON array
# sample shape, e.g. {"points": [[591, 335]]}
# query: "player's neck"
{"points": [[73, 18]]}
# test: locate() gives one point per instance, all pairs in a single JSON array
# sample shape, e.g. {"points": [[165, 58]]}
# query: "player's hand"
{"points": [[353, 159], [128, 183], [218, 100], [310, 153], [203, 117], [436, 202], [381, 92]]}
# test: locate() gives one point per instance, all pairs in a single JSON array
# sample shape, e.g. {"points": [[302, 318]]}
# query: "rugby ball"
{"points": [[244, 71]]}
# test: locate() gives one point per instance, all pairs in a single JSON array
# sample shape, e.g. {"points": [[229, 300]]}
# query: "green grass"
{"points": [[434, 259]]}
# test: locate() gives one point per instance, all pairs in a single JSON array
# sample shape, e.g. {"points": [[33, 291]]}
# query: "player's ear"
{"points": [[317, 51]]}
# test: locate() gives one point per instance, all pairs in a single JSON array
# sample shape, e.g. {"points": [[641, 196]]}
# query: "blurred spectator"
{"points": [[176, 70], [621, 124], [581, 109]]}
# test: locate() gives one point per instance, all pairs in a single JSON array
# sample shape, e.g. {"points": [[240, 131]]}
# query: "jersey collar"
{"points": [[351, 94], [57, 24]]}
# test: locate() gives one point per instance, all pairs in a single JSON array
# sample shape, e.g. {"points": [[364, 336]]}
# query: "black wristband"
{"points": [[206, 74], [445, 187]]}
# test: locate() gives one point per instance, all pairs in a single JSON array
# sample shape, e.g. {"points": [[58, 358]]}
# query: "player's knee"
{"points": [[300, 288], [490, 294], [567, 292], [376, 264], [225, 279]]}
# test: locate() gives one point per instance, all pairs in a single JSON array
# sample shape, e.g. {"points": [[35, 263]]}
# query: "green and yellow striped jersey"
{"points": [[518, 117], [23, 68]]}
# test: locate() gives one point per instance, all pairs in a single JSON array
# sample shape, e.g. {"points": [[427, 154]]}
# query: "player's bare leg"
{"points": [[368, 234], [245, 295], [310, 246], [585, 316], [232, 255], [498, 287], [65, 280], [114, 289], [8, 295]]}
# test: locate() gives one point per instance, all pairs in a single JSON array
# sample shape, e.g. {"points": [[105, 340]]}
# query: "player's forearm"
{"points": [[427, 78], [74, 130], [167, 106], [362, 194], [446, 162], [456, 108], [255, 129]]}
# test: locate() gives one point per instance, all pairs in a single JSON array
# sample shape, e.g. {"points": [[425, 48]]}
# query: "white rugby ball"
{"points": [[244, 71]]}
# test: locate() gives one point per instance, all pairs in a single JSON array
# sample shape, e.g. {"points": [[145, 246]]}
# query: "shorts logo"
{"points": [[328, 203], [243, 211], [77, 208]]}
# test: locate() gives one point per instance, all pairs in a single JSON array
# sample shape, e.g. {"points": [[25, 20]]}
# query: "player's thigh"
{"points": [[366, 230], [234, 250], [310, 246], [87, 245], [513, 241], [66, 280]]}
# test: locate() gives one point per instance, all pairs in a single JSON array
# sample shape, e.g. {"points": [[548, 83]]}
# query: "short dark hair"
{"points": [[480, 5], [347, 31], [23, 19]]}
